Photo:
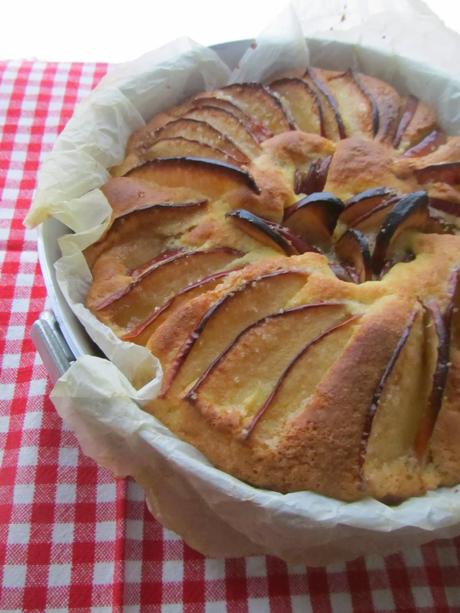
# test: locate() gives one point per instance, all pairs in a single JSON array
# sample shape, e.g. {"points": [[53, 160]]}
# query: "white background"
{"points": [[112, 31]]}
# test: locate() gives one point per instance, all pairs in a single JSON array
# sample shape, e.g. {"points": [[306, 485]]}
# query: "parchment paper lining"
{"points": [[101, 399]]}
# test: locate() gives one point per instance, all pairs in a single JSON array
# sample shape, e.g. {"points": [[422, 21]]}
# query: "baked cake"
{"points": [[290, 253]]}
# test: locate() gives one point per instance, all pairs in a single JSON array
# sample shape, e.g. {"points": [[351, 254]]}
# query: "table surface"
{"points": [[71, 536]]}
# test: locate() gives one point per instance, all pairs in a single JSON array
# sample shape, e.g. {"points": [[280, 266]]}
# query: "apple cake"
{"points": [[290, 253]]}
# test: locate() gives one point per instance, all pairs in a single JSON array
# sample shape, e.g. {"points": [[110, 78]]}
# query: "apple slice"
{"points": [[314, 218], [128, 194], [226, 123], [210, 178], [302, 374], [333, 123], [256, 378], [407, 114], [417, 121], [448, 172], [357, 110], [314, 179], [221, 322], [393, 418], [149, 291], [134, 241], [437, 336], [270, 233], [378, 391], [183, 147], [259, 102], [353, 252], [371, 221], [410, 213], [303, 104], [444, 450], [363, 203], [446, 206], [196, 130], [255, 128], [141, 332], [388, 102], [427, 145], [342, 273]]}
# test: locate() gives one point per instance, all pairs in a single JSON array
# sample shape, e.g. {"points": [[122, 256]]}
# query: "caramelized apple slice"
{"points": [[417, 121], [208, 177], [410, 213], [255, 128], [352, 250], [254, 378], [427, 145], [448, 172], [224, 320], [147, 292], [444, 450], [388, 102], [363, 203], [446, 206], [227, 124], [259, 102], [437, 359], [314, 218], [333, 123], [141, 333], [358, 112], [200, 131], [391, 427], [314, 179], [270, 233], [183, 147], [371, 221], [407, 114], [135, 241], [128, 194], [303, 104]]}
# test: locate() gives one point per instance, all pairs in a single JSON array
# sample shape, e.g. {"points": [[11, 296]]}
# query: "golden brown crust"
{"points": [[360, 164]]}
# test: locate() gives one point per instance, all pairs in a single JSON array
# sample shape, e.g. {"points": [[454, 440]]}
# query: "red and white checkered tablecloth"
{"points": [[71, 536]]}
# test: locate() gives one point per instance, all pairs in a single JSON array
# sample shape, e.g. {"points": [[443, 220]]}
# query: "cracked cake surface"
{"points": [[290, 253]]}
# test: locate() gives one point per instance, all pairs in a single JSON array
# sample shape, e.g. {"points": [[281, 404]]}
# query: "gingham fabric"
{"points": [[71, 536]]}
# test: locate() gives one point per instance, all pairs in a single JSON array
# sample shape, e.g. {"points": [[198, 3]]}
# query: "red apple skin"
{"points": [[411, 208], [427, 145], [446, 206], [446, 172], [236, 171], [374, 106], [406, 117], [271, 232], [314, 179], [314, 217], [363, 203], [335, 206], [330, 100], [438, 381], [381, 384], [353, 250]]}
